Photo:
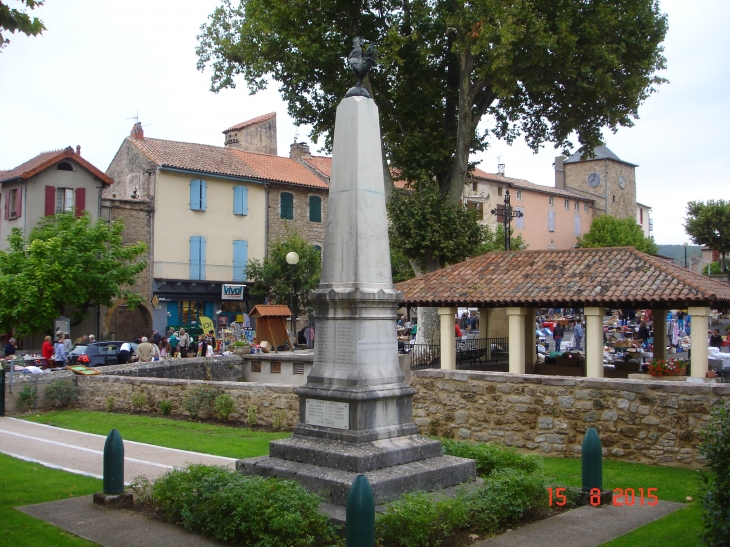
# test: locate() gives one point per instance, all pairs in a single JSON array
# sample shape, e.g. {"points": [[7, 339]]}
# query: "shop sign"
{"points": [[232, 292]]}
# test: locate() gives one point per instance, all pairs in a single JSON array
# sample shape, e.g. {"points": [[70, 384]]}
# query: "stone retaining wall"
{"points": [[225, 368], [639, 421]]}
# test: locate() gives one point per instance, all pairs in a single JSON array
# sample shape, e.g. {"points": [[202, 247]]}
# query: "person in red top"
{"points": [[47, 352], [457, 330]]}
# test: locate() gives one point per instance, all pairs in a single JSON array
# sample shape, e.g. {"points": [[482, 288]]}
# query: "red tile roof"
{"points": [[323, 164], [226, 161], [527, 185], [47, 159], [252, 121], [608, 277]]}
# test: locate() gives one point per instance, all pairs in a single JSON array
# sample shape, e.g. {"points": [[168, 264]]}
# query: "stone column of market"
{"points": [[356, 409]]}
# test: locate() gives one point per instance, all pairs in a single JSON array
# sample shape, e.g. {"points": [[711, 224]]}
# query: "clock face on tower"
{"points": [[594, 179], [622, 182]]}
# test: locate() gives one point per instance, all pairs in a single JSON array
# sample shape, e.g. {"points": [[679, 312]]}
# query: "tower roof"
{"points": [[600, 153]]}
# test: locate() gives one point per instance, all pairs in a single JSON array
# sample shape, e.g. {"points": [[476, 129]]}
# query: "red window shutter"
{"points": [[7, 199], [50, 201], [19, 202], [80, 201]]}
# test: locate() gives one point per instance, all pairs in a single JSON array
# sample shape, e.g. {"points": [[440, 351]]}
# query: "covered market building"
{"points": [[592, 279]]}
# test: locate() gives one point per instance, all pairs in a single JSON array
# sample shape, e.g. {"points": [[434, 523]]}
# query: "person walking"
{"points": [[578, 334], [184, 343], [174, 340], [558, 334], [59, 353], [165, 348], [67, 343], [47, 352], [644, 335], [716, 340], [145, 351]]}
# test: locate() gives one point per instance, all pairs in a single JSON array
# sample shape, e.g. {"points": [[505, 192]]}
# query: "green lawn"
{"points": [[680, 529], [233, 442], [23, 483]]}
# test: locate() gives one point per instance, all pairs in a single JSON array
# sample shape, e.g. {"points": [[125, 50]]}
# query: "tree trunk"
{"points": [[464, 131], [429, 324]]}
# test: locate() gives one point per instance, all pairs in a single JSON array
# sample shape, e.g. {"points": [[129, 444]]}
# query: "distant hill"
{"points": [[677, 252]]}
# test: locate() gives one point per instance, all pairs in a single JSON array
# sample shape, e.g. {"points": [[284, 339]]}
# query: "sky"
{"points": [[101, 63]]}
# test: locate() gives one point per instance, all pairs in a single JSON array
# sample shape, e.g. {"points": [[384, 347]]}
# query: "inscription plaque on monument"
{"points": [[328, 413]]}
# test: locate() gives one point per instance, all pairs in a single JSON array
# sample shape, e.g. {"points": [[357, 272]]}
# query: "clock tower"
{"points": [[605, 178]]}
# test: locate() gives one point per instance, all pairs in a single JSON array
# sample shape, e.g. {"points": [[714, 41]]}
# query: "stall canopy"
{"points": [[271, 323], [615, 277]]}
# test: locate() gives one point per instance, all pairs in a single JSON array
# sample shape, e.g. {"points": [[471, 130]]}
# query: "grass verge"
{"points": [[232, 442], [24, 483]]}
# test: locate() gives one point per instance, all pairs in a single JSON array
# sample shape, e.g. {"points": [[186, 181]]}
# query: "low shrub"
{"points": [[110, 403], [279, 419], [142, 489], [138, 400], [490, 457], [253, 415], [165, 407], [223, 406], [228, 506], [199, 401], [508, 495], [64, 392], [26, 397], [715, 446]]}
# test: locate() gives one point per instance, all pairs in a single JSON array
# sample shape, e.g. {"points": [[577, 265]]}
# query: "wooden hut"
{"points": [[271, 323]]}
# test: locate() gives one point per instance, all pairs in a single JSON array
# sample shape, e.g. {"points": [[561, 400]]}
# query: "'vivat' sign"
{"points": [[232, 292]]}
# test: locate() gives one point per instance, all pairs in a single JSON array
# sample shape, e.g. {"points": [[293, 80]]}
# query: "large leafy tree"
{"points": [[709, 224], [609, 231], [13, 19], [545, 69], [272, 275], [66, 266]]}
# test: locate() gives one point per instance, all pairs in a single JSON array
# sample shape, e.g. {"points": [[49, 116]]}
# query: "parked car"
{"points": [[98, 354]]}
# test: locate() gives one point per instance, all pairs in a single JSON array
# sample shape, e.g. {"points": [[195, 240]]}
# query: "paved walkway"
{"points": [[82, 453]]}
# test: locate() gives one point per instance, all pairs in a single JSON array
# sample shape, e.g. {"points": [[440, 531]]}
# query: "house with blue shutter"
{"points": [[204, 212]]}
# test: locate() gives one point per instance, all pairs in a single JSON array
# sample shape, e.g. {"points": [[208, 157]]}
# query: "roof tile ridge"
{"points": [[183, 142], [667, 267], [145, 151]]}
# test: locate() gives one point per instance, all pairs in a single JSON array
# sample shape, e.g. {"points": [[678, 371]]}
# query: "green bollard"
{"points": [[360, 514], [592, 459], [114, 464]]}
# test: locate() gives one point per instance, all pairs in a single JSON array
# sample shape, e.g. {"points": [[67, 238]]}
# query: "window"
{"points": [[576, 225], [499, 190], [500, 213], [551, 201], [585, 207], [298, 368], [641, 216], [519, 194], [190, 312], [275, 368], [197, 195], [240, 200], [256, 366], [13, 199], [64, 200], [197, 257], [520, 220], [576, 207], [473, 186], [476, 206], [614, 199], [566, 205], [315, 209], [240, 259], [551, 221], [64, 166], [286, 209]]}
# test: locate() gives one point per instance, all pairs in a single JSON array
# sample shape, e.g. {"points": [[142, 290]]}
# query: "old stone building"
{"points": [[204, 212]]}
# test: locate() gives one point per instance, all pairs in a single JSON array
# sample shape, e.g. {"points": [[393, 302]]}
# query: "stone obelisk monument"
{"points": [[356, 409]]}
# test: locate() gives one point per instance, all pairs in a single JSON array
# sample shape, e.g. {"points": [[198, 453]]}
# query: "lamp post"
{"points": [[292, 259], [507, 213], [685, 255]]}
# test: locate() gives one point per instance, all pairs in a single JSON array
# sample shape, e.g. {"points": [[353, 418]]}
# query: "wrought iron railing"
{"points": [[207, 272], [470, 353]]}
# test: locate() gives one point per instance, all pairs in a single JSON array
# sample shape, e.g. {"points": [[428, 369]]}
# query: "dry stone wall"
{"points": [[638, 421]]}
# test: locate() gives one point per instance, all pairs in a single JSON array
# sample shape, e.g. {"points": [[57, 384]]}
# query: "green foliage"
{"points": [[431, 232], [543, 69], [200, 400], [142, 489], [609, 231], [165, 407], [508, 494], [400, 266], [66, 266], [110, 403], [138, 400], [421, 520], [253, 416], [677, 252], [228, 506], [272, 275], [709, 224], [279, 420], [26, 397], [494, 240], [715, 446], [491, 458], [64, 392], [223, 406], [14, 19]]}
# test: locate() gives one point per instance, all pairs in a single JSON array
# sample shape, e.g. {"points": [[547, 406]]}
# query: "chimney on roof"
{"points": [[254, 135], [500, 169], [559, 172], [137, 132], [299, 150], [78, 149]]}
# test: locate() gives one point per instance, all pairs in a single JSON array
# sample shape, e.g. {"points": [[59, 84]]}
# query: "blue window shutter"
{"points": [[202, 257], [240, 259], [195, 194], [240, 200], [209, 309], [244, 200], [195, 257], [203, 191]]}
